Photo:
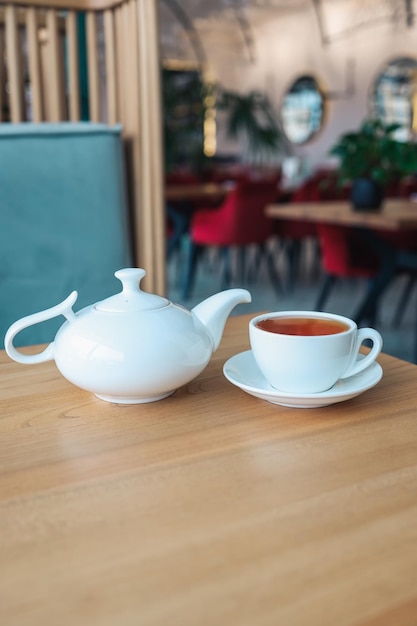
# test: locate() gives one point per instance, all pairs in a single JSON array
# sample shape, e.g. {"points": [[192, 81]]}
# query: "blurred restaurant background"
{"points": [[319, 69], [222, 108]]}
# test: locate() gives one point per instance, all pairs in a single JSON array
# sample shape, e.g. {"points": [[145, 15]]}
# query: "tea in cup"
{"points": [[309, 351]]}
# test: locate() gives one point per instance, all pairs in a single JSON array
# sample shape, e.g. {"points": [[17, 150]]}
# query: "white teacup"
{"points": [[294, 360]]}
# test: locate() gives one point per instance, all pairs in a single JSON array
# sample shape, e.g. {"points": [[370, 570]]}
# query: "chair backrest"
{"points": [[321, 186], [252, 225], [240, 219], [63, 219], [344, 253], [96, 61]]}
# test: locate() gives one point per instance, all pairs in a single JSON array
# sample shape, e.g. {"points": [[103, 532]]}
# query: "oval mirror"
{"points": [[394, 95], [302, 110]]}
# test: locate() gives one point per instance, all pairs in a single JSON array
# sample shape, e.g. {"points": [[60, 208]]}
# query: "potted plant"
{"points": [[248, 116], [251, 117], [372, 157], [184, 107]]}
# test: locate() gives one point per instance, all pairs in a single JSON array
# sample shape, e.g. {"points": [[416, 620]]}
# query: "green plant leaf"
{"points": [[373, 152]]}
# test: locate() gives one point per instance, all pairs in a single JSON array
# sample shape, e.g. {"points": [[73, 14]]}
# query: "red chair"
{"points": [[293, 234], [344, 254], [238, 222]]}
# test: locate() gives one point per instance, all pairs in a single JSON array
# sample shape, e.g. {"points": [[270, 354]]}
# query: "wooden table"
{"points": [[198, 191], [209, 508], [394, 215]]}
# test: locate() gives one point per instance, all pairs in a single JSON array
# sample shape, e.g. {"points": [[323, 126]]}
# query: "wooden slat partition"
{"points": [[120, 62], [34, 63], [73, 67], [14, 58], [126, 90], [150, 121], [2, 74], [54, 68], [93, 68], [126, 61], [111, 64]]}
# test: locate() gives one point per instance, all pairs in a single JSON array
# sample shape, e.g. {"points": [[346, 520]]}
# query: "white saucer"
{"points": [[241, 370]]}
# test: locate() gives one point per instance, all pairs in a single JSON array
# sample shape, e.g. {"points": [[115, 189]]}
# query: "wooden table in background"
{"points": [[394, 215], [209, 508], [198, 191]]}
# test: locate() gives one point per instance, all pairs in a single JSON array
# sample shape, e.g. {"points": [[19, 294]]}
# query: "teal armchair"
{"points": [[64, 221]]}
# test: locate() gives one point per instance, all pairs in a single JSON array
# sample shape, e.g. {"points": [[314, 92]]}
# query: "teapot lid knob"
{"points": [[131, 298], [130, 277]]}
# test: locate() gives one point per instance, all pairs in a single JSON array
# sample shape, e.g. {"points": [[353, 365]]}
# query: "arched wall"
{"points": [[290, 45]]}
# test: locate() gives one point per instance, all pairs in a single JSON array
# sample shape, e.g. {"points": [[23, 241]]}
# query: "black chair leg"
{"points": [[195, 253], [405, 297], [254, 264], [227, 269], [180, 224], [241, 264], [327, 286], [293, 258], [272, 271], [316, 261], [371, 317]]}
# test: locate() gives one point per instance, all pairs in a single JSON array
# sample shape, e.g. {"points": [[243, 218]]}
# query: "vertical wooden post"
{"points": [[120, 65], [14, 65], [150, 183], [93, 70], [55, 65], [34, 64], [73, 67], [111, 63]]}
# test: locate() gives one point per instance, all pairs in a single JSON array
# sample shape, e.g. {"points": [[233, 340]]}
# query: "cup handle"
{"points": [[358, 365]]}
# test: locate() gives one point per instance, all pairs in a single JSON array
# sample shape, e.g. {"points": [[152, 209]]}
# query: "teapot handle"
{"points": [[64, 308]]}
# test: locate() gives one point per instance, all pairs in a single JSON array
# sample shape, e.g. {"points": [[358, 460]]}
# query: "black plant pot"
{"points": [[366, 195]]}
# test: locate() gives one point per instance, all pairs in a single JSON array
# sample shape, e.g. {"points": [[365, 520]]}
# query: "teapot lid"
{"points": [[131, 298]]}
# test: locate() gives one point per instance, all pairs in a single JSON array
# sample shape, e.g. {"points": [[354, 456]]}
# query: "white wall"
{"points": [[289, 46]]}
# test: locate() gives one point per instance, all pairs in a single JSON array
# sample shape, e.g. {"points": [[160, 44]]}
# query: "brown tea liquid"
{"points": [[305, 326]]}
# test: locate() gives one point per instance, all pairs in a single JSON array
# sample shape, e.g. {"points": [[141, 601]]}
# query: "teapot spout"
{"points": [[214, 311]]}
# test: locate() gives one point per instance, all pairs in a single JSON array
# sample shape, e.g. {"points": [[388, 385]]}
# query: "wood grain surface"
{"points": [[209, 508]]}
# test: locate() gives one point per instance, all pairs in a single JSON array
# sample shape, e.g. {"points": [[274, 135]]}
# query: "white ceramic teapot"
{"points": [[134, 346]]}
